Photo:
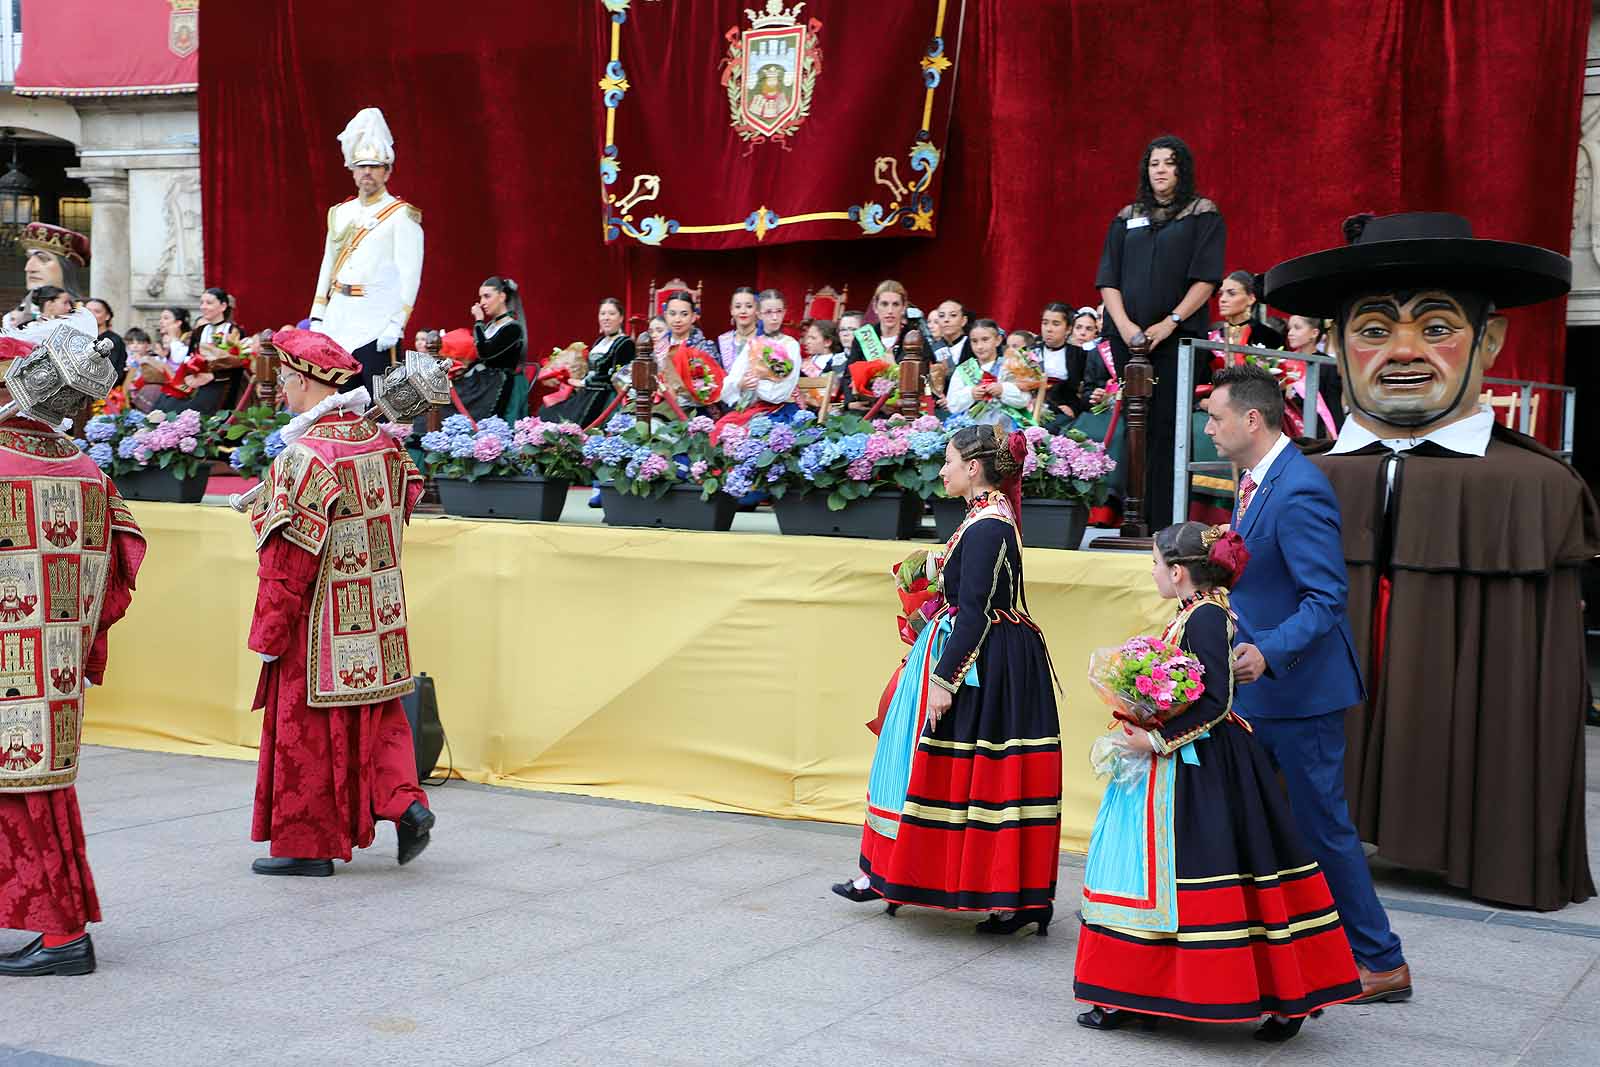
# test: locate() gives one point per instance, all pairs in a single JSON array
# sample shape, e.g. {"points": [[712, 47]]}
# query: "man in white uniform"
{"points": [[372, 262]]}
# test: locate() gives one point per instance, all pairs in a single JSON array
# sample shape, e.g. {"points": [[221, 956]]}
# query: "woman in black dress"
{"points": [[499, 334], [964, 797], [1161, 262], [612, 351], [1236, 302]]}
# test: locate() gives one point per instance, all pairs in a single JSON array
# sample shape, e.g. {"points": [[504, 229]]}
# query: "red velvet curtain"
{"points": [[1299, 114]]}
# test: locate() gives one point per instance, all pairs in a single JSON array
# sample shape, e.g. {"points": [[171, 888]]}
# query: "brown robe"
{"points": [[1468, 759]]}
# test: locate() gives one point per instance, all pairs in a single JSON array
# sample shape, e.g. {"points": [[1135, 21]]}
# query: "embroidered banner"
{"points": [[722, 126]]}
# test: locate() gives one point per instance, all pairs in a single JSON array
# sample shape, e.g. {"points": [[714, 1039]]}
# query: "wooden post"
{"points": [[264, 369], [431, 344], [911, 375], [644, 378], [1138, 384]]}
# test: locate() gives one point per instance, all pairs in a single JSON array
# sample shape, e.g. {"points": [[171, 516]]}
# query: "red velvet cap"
{"points": [[315, 355], [68, 244]]}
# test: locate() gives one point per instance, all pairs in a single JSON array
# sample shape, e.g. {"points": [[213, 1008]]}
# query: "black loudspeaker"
{"points": [[427, 733]]}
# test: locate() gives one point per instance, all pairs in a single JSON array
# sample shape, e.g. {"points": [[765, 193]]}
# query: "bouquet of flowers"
{"points": [[768, 360], [495, 448], [1146, 682], [647, 460], [1066, 466], [1112, 387], [1024, 367], [257, 439], [876, 378], [183, 444], [692, 374], [921, 597]]}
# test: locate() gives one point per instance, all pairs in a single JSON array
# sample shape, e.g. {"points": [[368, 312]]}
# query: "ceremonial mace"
{"points": [[62, 373], [405, 391]]}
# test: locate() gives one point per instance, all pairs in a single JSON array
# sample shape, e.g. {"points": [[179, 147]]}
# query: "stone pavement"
{"points": [[546, 929]]}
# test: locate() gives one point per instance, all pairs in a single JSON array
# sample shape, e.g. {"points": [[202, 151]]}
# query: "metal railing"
{"points": [[1182, 466]]}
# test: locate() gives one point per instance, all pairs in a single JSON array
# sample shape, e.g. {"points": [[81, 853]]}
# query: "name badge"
{"points": [[1135, 223]]}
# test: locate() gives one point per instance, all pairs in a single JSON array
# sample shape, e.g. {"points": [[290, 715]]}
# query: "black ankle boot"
{"points": [[996, 925]]}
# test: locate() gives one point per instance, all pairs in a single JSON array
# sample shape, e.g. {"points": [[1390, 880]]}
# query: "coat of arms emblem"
{"points": [[771, 71], [183, 27]]}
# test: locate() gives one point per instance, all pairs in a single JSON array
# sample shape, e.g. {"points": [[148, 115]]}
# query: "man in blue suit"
{"points": [[1296, 654]]}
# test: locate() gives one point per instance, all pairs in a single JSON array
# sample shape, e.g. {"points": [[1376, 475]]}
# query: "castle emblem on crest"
{"points": [[771, 71]]}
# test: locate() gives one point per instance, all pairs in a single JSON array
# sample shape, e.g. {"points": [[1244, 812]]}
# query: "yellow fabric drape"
{"points": [[724, 671]]}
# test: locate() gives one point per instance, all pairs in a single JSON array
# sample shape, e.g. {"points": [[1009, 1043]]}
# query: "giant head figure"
{"points": [[55, 257], [1413, 299]]}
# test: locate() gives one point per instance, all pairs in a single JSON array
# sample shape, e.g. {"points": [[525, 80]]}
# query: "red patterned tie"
{"points": [[1247, 490]]}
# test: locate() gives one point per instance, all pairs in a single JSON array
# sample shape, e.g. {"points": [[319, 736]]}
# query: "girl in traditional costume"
{"points": [[763, 377], [1200, 901], [742, 310], [880, 342], [964, 796], [1309, 335], [985, 388]]}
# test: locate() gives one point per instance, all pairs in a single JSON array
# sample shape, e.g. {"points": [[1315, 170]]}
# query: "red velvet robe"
{"points": [[325, 774], [45, 882]]}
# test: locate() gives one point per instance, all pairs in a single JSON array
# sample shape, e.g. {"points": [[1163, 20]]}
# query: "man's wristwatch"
{"points": [[1176, 318]]}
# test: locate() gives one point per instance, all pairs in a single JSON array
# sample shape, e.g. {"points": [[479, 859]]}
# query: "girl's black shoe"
{"points": [[849, 891], [996, 925], [1098, 1018]]}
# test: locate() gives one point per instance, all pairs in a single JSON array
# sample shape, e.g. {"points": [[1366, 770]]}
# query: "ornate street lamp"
{"points": [[17, 193]]}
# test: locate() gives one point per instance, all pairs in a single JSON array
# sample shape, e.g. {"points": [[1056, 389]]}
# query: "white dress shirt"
{"points": [[1258, 473], [1469, 436]]}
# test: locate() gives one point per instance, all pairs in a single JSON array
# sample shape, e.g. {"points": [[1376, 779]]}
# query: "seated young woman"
{"points": [[983, 387], [879, 342], [1063, 361], [823, 354], [742, 313], [763, 377], [147, 371]]}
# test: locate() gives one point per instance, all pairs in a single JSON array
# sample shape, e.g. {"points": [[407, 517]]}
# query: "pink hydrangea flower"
{"points": [[697, 469], [1035, 434], [1030, 463], [187, 445], [653, 468], [860, 470], [487, 448], [926, 424]]}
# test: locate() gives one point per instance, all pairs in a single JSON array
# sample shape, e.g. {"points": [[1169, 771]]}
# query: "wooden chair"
{"points": [[827, 384], [826, 303], [1512, 406], [657, 302]]}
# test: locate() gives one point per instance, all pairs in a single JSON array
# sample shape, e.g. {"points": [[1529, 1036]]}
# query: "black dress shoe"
{"points": [[1098, 1018], [996, 925], [1276, 1030], [849, 891], [285, 865], [24, 950], [412, 830], [74, 958]]}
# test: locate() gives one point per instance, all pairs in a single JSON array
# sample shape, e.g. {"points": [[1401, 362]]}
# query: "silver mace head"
{"points": [[63, 372], [409, 389]]}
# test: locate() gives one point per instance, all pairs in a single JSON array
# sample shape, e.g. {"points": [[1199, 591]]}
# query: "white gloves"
{"points": [[389, 337]]}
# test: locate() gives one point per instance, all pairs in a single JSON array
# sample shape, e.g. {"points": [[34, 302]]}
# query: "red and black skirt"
{"points": [[981, 824], [1257, 931]]}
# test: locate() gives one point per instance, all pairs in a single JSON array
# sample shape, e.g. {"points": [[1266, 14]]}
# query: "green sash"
{"points": [[872, 344]]}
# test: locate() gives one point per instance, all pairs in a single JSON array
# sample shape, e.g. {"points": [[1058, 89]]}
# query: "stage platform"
{"points": [[729, 672]]}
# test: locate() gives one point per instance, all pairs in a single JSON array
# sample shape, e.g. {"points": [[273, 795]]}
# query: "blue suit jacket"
{"points": [[1291, 598]]}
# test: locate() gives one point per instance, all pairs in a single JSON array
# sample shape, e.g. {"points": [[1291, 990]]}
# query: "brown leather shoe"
{"points": [[1384, 986]]}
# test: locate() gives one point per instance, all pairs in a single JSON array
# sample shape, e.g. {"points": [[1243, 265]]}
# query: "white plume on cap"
{"points": [[367, 140], [36, 330]]}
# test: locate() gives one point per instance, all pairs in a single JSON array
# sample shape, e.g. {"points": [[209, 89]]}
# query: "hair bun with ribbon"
{"points": [[1226, 549]]}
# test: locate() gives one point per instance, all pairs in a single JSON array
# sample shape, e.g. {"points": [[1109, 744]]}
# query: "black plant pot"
{"points": [[947, 515], [155, 484], [1053, 523], [886, 515], [680, 509], [519, 496]]}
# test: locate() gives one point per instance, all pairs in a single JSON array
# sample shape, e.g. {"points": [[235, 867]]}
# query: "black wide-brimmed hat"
{"points": [[1416, 250]]}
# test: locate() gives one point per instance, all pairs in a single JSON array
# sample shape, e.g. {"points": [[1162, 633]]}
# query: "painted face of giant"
{"points": [[1414, 360], [43, 268]]}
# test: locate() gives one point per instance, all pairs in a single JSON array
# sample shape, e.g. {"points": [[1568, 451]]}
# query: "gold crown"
{"points": [[68, 244]]}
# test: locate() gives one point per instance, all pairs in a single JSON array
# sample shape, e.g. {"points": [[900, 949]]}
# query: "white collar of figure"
{"points": [[356, 402]]}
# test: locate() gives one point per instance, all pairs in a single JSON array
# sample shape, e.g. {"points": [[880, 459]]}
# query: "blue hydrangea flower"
{"points": [[853, 446], [621, 422], [134, 420], [776, 472], [760, 426], [781, 439], [803, 418], [748, 449], [436, 441], [102, 455], [461, 447], [273, 444], [456, 424], [591, 447], [499, 427], [235, 458], [958, 422], [125, 448], [739, 480], [927, 443], [101, 428], [614, 451]]}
